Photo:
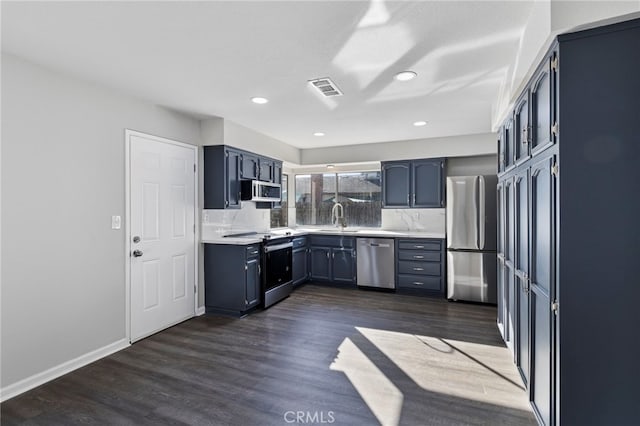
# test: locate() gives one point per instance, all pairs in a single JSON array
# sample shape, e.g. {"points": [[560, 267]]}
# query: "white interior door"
{"points": [[162, 234]]}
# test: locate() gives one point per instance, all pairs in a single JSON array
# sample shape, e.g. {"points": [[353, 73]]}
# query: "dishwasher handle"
{"points": [[379, 245]]}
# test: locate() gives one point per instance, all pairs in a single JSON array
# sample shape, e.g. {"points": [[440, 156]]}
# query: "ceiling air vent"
{"points": [[326, 87]]}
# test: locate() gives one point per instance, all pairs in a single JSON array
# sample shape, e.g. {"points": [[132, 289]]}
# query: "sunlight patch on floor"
{"points": [[457, 368], [376, 390]]}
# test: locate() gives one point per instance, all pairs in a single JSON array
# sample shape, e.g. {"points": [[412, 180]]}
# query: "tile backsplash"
{"points": [[219, 222], [227, 221], [417, 220]]}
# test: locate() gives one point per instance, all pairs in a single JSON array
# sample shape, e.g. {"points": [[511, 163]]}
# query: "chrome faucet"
{"points": [[337, 215]]}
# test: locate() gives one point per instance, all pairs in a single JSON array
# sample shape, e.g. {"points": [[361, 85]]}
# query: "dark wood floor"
{"points": [[324, 355]]}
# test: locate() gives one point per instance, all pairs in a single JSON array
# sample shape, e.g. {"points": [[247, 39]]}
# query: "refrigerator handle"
{"points": [[481, 213]]}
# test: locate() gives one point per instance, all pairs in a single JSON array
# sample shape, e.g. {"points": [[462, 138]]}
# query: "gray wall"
{"points": [[219, 131], [471, 166], [451, 146], [63, 159]]}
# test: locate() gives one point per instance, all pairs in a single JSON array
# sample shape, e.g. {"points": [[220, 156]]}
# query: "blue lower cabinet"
{"points": [[320, 263], [343, 265], [300, 261], [420, 267], [333, 259], [232, 278], [300, 265]]}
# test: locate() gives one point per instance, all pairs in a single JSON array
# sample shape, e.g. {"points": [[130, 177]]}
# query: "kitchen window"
{"points": [[358, 192], [279, 214]]}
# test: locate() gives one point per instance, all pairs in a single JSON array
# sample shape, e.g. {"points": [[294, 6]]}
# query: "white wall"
{"points": [[566, 15], [63, 170], [454, 146], [549, 18], [218, 131]]}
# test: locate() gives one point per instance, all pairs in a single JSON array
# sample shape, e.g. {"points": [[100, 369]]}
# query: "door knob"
{"points": [[137, 253]]}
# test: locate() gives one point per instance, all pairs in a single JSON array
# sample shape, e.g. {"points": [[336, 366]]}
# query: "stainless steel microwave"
{"points": [[256, 190]]}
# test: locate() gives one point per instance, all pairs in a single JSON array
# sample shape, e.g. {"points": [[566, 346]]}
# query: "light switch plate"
{"points": [[116, 222]]}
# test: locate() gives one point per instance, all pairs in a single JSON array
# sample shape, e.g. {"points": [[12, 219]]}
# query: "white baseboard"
{"points": [[38, 379], [200, 311]]}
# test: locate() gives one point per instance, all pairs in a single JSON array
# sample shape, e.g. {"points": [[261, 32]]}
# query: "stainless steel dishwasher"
{"points": [[376, 262]]}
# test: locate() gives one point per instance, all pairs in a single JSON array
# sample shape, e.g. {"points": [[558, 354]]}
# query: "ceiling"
{"points": [[210, 58]]}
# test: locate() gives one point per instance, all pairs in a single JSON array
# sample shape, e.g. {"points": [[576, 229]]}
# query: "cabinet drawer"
{"points": [[429, 245], [253, 251], [418, 282], [429, 256], [419, 268], [299, 242]]}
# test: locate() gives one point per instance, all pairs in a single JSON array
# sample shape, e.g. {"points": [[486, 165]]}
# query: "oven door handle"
{"points": [[282, 246]]}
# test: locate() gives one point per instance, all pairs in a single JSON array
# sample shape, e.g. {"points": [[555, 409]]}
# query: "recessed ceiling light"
{"points": [[405, 76], [259, 100], [318, 134], [420, 123], [330, 166]]}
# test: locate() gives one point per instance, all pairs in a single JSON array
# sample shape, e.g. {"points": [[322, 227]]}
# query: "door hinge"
{"points": [[554, 64], [554, 129], [555, 306], [195, 289], [194, 168], [555, 169], [194, 228]]}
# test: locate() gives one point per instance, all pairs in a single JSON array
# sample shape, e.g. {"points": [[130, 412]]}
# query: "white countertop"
{"points": [[364, 232]]}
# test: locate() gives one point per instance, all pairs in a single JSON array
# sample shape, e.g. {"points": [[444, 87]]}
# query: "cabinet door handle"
{"points": [[418, 283], [418, 269], [327, 255], [418, 257], [408, 198], [333, 255], [418, 246]]}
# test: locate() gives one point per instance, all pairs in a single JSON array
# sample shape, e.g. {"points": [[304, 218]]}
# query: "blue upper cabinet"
{"points": [[414, 183], [221, 177], [396, 184], [427, 183], [225, 167], [265, 171], [277, 172], [521, 129], [543, 104], [250, 166], [509, 145], [501, 153]]}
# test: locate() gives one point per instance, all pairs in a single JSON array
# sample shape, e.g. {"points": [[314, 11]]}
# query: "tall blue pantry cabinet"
{"points": [[569, 229]]}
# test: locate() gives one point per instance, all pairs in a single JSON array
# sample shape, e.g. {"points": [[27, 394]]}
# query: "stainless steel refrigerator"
{"points": [[471, 238]]}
